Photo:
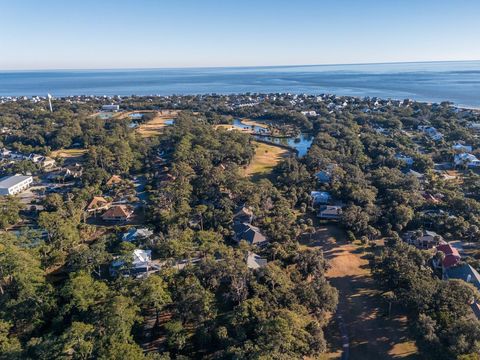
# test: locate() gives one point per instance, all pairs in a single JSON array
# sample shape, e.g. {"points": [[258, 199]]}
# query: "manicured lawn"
{"points": [[68, 153], [155, 126], [265, 159]]}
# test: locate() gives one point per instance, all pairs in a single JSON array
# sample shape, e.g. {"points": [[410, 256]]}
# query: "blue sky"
{"points": [[54, 34]]}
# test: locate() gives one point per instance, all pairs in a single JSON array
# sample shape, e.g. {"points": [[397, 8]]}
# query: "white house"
{"points": [[407, 160], [462, 148], [330, 212], [433, 133], [141, 264], [320, 197], [15, 184], [466, 159]]}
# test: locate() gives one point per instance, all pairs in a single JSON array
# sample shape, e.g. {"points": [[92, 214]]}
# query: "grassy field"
{"points": [[265, 159], [250, 122], [155, 126], [68, 153], [371, 333]]}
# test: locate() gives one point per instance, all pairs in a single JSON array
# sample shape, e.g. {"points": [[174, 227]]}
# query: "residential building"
{"points": [[249, 233], [255, 261], [111, 107], [430, 131], [243, 215], [452, 256], [423, 239], [15, 184], [98, 203], [134, 234], [462, 148], [115, 179], [468, 274], [118, 213], [466, 159], [320, 197], [330, 212], [140, 266], [407, 160]]}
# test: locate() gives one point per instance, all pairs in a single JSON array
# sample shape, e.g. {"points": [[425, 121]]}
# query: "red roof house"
{"points": [[452, 257]]}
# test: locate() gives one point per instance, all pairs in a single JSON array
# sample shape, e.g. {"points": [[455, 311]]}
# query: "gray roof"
{"points": [[9, 181], [249, 233], [464, 272]]}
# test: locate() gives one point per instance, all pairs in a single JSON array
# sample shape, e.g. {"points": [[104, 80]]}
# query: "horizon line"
{"points": [[239, 66]]}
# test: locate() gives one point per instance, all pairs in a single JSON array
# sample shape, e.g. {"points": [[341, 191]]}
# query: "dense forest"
{"points": [[60, 299]]}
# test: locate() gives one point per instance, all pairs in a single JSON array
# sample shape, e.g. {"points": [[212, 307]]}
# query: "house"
{"points": [[243, 215], [111, 107], [468, 274], [254, 261], [249, 233], [115, 179], [407, 160], [98, 203], [118, 213], [475, 127], [134, 234], [466, 159], [47, 162], [424, 239], [320, 197], [330, 212], [309, 113], [5, 153], [324, 176], [462, 148], [15, 184], [140, 266], [416, 174], [464, 272], [452, 257], [433, 133]]}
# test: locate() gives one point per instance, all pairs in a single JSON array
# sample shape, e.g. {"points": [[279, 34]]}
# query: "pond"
{"points": [[105, 115], [301, 143], [136, 116]]}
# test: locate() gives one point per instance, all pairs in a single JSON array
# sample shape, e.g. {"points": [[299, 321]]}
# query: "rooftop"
{"points": [[10, 181]]}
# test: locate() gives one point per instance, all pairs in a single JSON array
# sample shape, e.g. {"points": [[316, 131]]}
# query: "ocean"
{"points": [[458, 82]]}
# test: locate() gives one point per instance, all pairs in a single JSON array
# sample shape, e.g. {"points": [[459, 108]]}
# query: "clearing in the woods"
{"points": [[361, 320], [265, 159]]}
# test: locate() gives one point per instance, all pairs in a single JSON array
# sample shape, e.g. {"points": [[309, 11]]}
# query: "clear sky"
{"points": [[81, 34]]}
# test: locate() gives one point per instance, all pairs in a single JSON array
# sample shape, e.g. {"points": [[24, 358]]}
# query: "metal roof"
{"points": [[9, 181]]}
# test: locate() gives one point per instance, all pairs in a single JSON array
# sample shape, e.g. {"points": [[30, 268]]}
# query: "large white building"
{"points": [[15, 184], [111, 107]]}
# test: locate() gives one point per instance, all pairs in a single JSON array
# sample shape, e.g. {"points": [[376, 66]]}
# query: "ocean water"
{"points": [[458, 82]]}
